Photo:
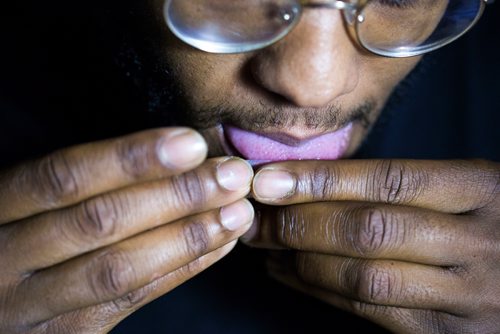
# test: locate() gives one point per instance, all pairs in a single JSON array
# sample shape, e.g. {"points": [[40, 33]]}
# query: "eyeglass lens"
{"points": [[407, 27], [385, 27], [227, 26]]}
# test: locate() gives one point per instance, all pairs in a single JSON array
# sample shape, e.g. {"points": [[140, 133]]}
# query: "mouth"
{"points": [[261, 148]]}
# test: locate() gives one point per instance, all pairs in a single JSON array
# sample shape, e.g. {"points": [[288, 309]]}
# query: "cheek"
{"points": [[201, 77], [210, 80], [204, 79], [378, 78], [383, 74]]}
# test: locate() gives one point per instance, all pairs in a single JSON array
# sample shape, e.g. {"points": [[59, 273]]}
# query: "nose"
{"points": [[311, 66]]}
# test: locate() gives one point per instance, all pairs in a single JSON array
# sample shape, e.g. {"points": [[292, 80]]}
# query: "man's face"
{"points": [[313, 95]]}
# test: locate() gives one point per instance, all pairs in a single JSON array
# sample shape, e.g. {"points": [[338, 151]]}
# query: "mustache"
{"points": [[261, 116]]}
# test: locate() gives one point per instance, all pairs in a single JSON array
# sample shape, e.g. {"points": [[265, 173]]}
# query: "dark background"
{"points": [[61, 84]]}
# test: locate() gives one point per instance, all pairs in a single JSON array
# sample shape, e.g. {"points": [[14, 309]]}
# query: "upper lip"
{"points": [[293, 136]]}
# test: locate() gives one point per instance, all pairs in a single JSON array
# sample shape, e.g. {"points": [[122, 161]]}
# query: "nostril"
{"points": [[302, 87], [312, 66], [315, 82]]}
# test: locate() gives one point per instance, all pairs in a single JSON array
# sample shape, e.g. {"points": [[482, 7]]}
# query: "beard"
{"points": [[257, 116], [171, 106], [138, 51], [140, 57]]}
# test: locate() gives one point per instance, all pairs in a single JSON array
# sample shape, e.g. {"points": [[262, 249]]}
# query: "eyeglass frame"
{"points": [[352, 15], [354, 18]]}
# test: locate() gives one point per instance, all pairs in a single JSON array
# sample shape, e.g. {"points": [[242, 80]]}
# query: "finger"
{"points": [[63, 234], [103, 318], [283, 269], [115, 271], [447, 186], [71, 175], [388, 283], [371, 231], [395, 319], [400, 320]]}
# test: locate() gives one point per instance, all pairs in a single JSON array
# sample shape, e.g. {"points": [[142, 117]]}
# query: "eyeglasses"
{"points": [[391, 28]]}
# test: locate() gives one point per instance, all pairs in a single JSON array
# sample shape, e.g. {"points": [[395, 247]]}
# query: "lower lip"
{"points": [[260, 149]]}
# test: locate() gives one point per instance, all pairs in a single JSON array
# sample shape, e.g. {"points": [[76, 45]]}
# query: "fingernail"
{"points": [[237, 215], [234, 174], [182, 149], [273, 184]]}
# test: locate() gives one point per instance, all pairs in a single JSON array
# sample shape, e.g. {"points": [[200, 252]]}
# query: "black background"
{"points": [[60, 85]]}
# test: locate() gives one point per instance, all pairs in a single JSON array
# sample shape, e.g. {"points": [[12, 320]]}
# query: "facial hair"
{"points": [[261, 116]]}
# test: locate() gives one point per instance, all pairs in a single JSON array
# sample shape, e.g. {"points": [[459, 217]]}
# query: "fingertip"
{"points": [[182, 149], [271, 184], [234, 174], [237, 215]]}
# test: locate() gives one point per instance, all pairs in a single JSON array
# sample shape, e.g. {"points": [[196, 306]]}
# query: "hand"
{"points": [[411, 245], [91, 233]]}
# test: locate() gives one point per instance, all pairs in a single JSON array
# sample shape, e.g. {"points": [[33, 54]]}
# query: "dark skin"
{"points": [[410, 245], [113, 225]]}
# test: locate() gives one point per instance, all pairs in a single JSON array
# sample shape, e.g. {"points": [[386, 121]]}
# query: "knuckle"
{"points": [[56, 179], [376, 285], [97, 218], [63, 324], [490, 185], [191, 269], [320, 182], [496, 182], [41, 328], [135, 157], [188, 190], [484, 184], [291, 227], [440, 322], [196, 238], [110, 275], [309, 268], [495, 193], [366, 309], [131, 300], [395, 182], [376, 232], [304, 268]]}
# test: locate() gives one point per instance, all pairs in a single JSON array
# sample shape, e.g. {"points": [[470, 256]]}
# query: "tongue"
{"points": [[256, 147]]}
